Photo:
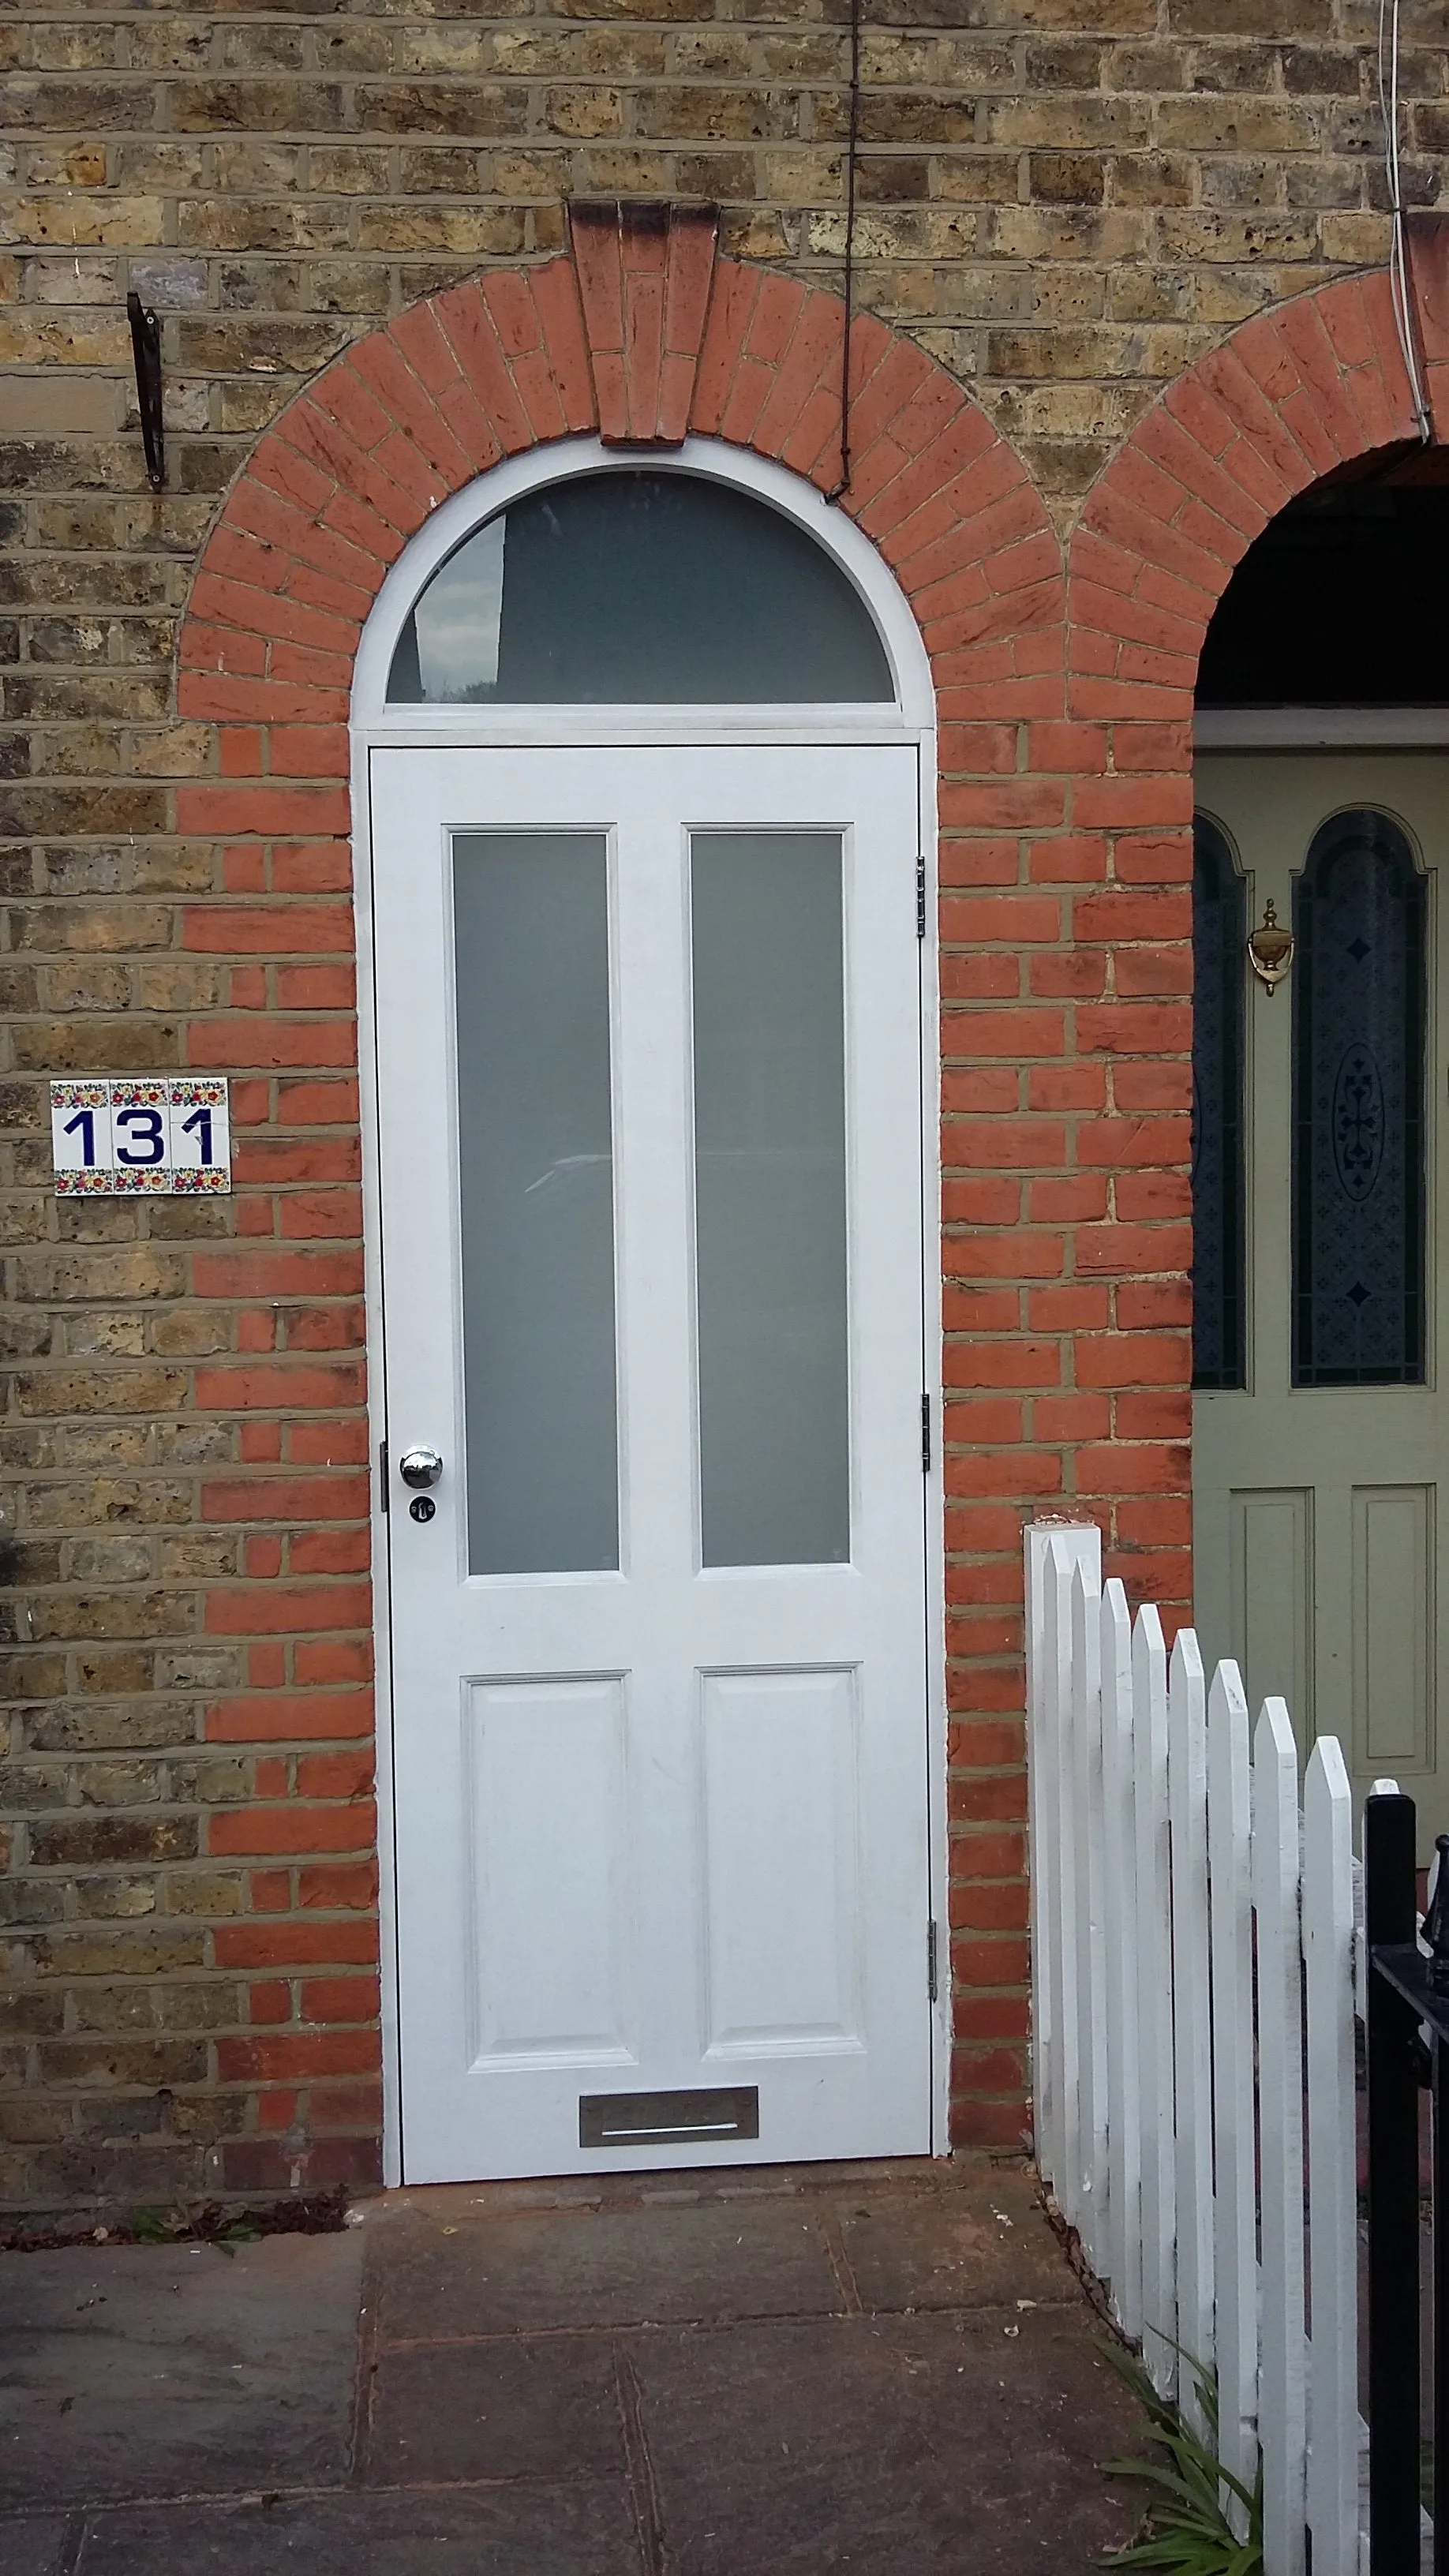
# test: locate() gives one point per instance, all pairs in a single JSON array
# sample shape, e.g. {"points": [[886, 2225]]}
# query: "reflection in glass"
{"points": [[632, 587], [769, 1122], [1219, 933], [536, 1172], [1358, 1109], [456, 624]]}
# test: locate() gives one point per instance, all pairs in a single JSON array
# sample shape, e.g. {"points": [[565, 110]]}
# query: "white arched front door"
{"points": [[647, 1004]]}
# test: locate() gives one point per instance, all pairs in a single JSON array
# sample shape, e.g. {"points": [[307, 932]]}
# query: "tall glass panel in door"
{"points": [[1359, 1135], [770, 1197], [1219, 930], [536, 1188]]}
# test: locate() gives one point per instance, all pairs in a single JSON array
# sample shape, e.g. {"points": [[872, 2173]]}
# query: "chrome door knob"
{"points": [[419, 1467]]}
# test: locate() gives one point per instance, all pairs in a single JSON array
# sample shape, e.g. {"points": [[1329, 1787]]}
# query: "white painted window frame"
{"points": [[910, 719]]}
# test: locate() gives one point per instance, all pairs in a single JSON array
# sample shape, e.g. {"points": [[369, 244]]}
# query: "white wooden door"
{"points": [[649, 1082], [1320, 1525]]}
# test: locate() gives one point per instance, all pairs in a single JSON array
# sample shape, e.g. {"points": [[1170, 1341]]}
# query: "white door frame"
{"points": [[1320, 729], [912, 720]]}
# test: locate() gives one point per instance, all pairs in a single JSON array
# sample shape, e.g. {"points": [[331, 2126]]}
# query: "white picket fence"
{"points": [[1194, 1957]]}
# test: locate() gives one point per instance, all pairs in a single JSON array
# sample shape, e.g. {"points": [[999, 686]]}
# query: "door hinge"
{"points": [[925, 1435], [933, 1982], [382, 1474], [921, 897]]}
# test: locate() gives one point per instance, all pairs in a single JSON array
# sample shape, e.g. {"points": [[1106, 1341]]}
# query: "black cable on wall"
{"points": [[852, 142]]}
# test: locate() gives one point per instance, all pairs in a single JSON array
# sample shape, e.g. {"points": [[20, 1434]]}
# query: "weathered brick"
{"points": [[84, 1840]]}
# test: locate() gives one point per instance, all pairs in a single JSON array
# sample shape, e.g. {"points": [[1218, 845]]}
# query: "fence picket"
{"points": [[1192, 2014], [1235, 2200], [1328, 1936], [1086, 1727], [1044, 1826], [1154, 2001], [1124, 2110], [1052, 1551], [1063, 1921], [1282, 2392]]}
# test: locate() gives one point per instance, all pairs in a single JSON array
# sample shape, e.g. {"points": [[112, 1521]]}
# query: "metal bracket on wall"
{"points": [[146, 349]]}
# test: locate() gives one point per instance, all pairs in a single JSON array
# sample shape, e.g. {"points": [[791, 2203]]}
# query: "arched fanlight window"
{"points": [[628, 587], [1359, 1182], [1219, 928]]}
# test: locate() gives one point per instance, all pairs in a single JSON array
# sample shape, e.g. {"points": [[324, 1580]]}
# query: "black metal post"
{"points": [[1441, 2306], [1436, 1933], [1393, 2196]]}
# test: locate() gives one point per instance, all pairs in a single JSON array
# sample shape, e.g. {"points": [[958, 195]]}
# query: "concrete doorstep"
{"points": [[886, 2370]]}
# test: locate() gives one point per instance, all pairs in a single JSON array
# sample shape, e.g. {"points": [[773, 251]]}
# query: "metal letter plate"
{"points": [[668, 2119]]}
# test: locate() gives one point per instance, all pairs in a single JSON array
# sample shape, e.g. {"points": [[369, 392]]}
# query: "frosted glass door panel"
{"points": [[536, 1163], [769, 1118]]}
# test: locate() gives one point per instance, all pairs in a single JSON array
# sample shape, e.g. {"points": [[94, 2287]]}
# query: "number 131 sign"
{"points": [[142, 1134]]}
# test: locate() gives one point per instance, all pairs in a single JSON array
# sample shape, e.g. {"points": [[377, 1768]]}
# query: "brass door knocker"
{"points": [[1270, 948]]}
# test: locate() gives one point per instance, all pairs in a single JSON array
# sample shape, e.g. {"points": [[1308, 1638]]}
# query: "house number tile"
{"points": [[142, 1134]]}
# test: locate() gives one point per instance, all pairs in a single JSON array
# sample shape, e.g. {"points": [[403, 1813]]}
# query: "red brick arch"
{"points": [[1291, 396], [642, 335], [512, 360]]}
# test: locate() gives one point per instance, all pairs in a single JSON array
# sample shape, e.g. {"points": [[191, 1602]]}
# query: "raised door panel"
{"points": [[1272, 1555], [547, 1764], [1393, 1628], [781, 1787]]}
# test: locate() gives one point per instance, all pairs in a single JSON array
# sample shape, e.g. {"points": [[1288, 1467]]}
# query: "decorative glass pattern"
{"points": [[1219, 931], [629, 587], [1358, 1109]]}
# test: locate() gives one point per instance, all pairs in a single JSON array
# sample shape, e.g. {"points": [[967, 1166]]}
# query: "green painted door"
{"points": [[1322, 1433]]}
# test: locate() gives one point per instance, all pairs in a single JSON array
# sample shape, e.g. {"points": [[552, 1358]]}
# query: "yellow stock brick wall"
{"points": [[1065, 203]]}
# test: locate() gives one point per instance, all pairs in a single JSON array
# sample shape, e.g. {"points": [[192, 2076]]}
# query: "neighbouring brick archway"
{"points": [[1292, 396]]}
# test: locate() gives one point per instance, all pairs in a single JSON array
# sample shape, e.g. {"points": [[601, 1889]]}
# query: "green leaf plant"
{"points": [[206, 2224], [1189, 2530]]}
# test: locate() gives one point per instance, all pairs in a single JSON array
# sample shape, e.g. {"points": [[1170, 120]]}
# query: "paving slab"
{"points": [[142, 2370], [979, 2246], [38, 2546], [582, 2529], [512, 2409], [886, 2446], [469, 2275], [678, 2189]]}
